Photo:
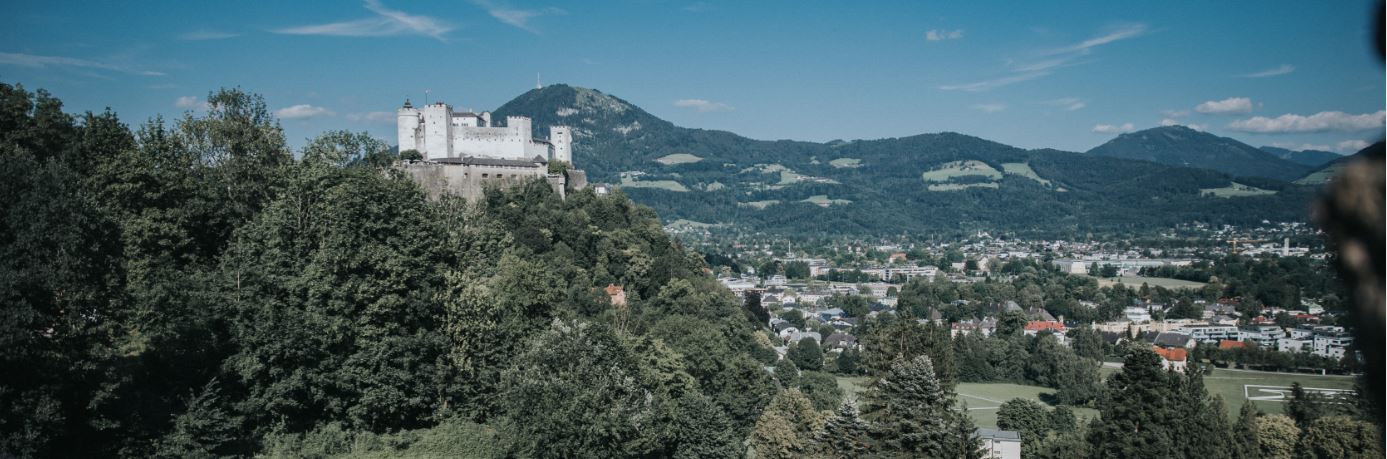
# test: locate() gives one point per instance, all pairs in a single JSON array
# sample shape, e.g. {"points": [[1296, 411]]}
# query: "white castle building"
{"points": [[437, 132], [463, 153]]}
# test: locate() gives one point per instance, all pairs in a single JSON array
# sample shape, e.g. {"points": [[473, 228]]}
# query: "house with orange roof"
{"points": [[617, 293], [1227, 344], [1173, 358]]}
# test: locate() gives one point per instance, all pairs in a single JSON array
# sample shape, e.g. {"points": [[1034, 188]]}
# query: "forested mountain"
{"points": [[1321, 175], [1182, 146], [1312, 158], [937, 182]]}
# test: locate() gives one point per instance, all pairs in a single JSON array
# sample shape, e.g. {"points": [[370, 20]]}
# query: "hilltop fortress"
{"points": [[461, 153]]}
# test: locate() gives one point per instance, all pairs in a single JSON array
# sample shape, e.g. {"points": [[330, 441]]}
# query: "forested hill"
{"points": [[191, 290], [1182, 146], [1312, 158], [929, 182]]}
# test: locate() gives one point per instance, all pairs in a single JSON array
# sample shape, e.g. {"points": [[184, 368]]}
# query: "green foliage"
{"points": [[821, 389], [913, 414], [786, 428], [1340, 436], [844, 435], [806, 355], [1275, 437]]}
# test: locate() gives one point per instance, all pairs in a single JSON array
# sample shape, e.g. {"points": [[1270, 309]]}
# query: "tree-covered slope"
{"points": [[935, 182], [1182, 146], [1312, 158]]}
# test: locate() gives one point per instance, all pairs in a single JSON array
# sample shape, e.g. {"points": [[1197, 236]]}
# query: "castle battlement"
{"points": [[437, 132]]}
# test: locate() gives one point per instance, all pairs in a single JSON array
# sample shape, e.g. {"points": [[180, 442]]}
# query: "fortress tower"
{"points": [[463, 153]]}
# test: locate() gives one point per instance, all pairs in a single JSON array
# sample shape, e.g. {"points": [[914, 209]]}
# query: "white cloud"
{"points": [[941, 35], [1225, 106], [515, 16], [1175, 122], [190, 103], [1350, 146], [372, 117], [37, 61], [703, 106], [989, 108], [1282, 70], [1110, 129], [302, 111], [387, 22], [1049, 60], [1067, 103], [1319, 122], [207, 35]]}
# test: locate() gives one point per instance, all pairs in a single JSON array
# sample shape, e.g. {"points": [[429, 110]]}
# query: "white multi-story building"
{"points": [[1331, 345], [1211, 333]]}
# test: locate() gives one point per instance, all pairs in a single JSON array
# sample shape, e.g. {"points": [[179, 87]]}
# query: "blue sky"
{"points": [[1066, 75]]}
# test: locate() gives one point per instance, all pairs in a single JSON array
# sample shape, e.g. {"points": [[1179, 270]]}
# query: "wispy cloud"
{"points": [[203, 35], [37, 61], [1067, 103], [520, 18], [1227, 106], [941, 35], [372, 117], [1084, 47], [1282, 70], [1045, 62], [984, 85], [703, 106], [1112, 129], [302, 111], [387, 22], [990, 107], [1319, 122]]}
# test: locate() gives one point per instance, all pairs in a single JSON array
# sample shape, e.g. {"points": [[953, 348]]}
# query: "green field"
{"points": [[1136, 281], [1024, 170], [845, 163], [1320, 177], [950, 170], [983, 399], [629, 181], [1235, 190], [758, 205], [678, 158], [1230, 385], [715, 186], [822, 200], [963, 186]]}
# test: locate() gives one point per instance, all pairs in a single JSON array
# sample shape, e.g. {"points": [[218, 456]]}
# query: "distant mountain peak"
{"points": [[1183, 146]]}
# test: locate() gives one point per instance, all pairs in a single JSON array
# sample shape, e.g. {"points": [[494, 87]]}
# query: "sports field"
{"points": [[1233, 386]]}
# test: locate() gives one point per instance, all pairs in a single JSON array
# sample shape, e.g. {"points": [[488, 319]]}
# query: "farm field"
{"points": [[948, 171], [845, 162], [1235, 190], [1136, 281], [678, 158]]}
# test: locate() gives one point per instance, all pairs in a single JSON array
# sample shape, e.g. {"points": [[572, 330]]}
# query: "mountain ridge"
{"points": [[944, 181]]}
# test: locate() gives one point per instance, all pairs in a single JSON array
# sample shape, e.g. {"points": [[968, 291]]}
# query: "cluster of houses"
{"points": [[1222, 325]]}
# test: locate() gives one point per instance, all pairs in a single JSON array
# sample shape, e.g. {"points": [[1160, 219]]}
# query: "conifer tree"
{"points": [[845, 435], [913, 415]]}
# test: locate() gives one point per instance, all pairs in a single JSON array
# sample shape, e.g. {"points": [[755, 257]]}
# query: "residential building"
{"points": [[1000, 444]]}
